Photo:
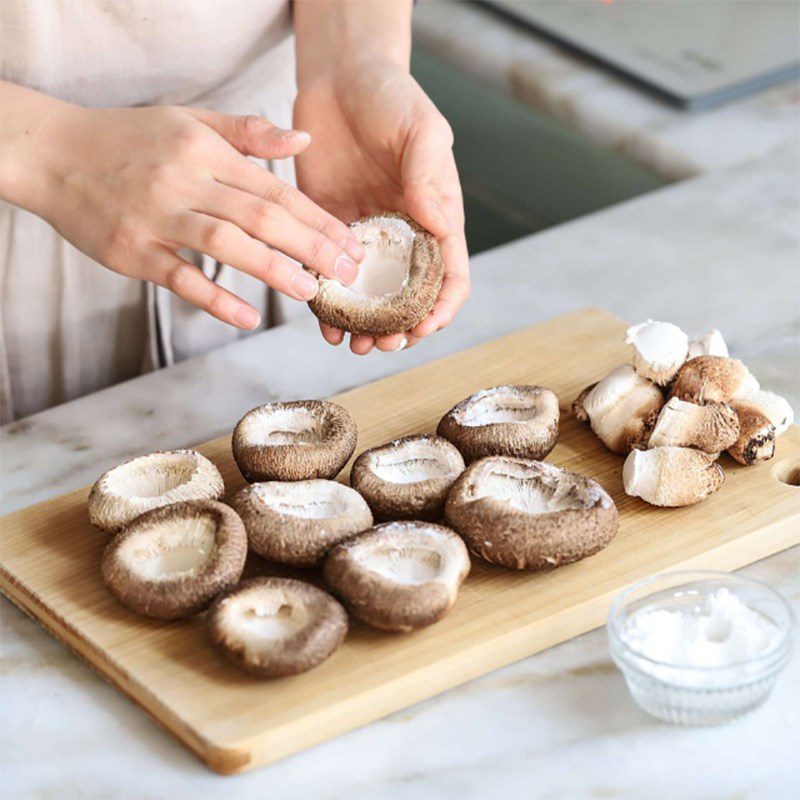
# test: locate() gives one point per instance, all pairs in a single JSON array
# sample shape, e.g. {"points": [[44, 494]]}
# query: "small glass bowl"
{"points": [[687, 695]]}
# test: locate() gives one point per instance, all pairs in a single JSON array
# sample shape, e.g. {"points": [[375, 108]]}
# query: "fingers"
{"points": [[275, 226], [422, 171], [456, 285], [254, 136], [332, 335], [228, 244], [248, 177], [189, 282]]}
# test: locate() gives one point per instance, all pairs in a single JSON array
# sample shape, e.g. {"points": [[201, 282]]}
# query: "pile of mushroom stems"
{"points": [[675, 408]]}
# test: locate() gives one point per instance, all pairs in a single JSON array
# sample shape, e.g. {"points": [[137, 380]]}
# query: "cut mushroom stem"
{"points": [[530, 515], [504, 420], [774, 407], [712, 344], [756, 441], [671, 476], [297, 523], [275, 627], [713, 379], [711, 428], [294, 441], [659, 349], [172, 561], [158, 479], [397, 284], [400, 575], [408, 478], [621, 408]]}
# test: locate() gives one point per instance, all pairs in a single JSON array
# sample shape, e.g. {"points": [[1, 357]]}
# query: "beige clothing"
{"points": [[69, 326]]}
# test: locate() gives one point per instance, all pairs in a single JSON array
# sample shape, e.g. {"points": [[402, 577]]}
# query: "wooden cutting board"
{"points": [[51, 556]]}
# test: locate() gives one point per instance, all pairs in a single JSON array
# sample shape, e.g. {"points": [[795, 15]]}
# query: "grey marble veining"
{"points": [[597, 103], [720, 250]]}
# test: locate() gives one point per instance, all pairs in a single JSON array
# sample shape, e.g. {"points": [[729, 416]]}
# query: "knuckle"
{"points": [[315, 249], [189, 140], [179, 277], [121, 237], [263, 217], [251, 127], [213, 236], [277, 192], [216, 304]]}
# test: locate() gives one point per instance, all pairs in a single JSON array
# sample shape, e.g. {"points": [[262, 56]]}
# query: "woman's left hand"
{"points": [[379, 144]]}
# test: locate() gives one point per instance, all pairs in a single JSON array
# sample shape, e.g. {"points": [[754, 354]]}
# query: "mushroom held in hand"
{"points": [[530, 514], [158, 479], [671, 476], [400, 575], [398, 280], [659, 349], [711, 428], [296, 523], [294, 441], [504, 420], [621, 408], [172, 561], [713, 379], [408, 478], [274, 627]]}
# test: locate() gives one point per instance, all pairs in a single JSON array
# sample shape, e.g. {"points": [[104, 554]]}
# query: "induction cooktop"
{"points": [[695, 53]]}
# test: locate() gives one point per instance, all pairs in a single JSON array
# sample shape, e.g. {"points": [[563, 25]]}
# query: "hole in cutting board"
{"points": [[787, 473]]}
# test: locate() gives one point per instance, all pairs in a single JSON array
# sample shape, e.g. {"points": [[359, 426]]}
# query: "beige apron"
{"points": [[67, 325]]}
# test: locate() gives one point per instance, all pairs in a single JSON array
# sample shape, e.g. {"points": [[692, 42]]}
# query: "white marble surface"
{"points": [[718, 250], [672, 142]]}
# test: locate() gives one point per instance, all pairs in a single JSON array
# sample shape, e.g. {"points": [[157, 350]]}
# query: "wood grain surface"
{"points": [[51, 554]]}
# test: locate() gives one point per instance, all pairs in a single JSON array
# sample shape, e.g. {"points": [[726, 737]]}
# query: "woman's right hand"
{"points": [[131, 187]]}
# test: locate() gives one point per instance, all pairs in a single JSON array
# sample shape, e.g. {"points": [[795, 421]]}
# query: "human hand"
{"points": [[130, 187], [379, 144]]}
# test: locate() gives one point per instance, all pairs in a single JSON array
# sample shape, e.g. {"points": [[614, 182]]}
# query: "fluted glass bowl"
{"points": [[699, 695]]}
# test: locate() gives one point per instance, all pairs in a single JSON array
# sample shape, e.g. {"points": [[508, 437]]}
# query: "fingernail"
{"points": [[292, 135], [345, 269], [304, 285], [355, 249], [246, 317], [401, 344]]}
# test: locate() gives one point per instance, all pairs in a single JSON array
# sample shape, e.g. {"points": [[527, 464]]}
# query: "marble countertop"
{"points": [[674, 143], [721, 250]]}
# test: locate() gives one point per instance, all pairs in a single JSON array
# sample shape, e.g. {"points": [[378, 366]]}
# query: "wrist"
{"points": [[337, 38]]}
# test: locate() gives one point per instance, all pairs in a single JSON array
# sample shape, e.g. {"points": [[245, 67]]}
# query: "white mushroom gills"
{"points": [[504, 405], [304, 499], [660, 349], [280, 426], [388, 243], [530, 495], [412, 462], [177, 548], [151, 476], [712, 344], [263, 618]]}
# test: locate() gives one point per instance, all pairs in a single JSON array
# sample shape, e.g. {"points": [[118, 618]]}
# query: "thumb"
{"points": [[421, 174], [254, 136]]}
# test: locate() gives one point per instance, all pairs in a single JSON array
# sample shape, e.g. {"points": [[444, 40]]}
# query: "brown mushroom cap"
{"points": [[297, 523], [517, 421], [123, 493], [530, 514], [713, 379], [398, 283], [408, 478], [400, 575], [294, 441], [172, 561], [274, 627]]}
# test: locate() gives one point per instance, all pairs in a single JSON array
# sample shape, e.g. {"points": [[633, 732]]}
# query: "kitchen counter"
{"points": [[671, 142], [719, 250]]}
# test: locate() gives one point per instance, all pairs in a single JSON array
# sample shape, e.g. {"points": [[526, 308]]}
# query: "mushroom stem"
{"points": [[712, 344], [659, 349], [756, 441], [774, 407], [671, 476], [621, 408], [711, 428]]}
